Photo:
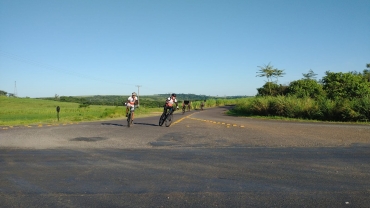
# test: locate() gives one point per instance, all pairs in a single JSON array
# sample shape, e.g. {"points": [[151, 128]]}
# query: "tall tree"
{"points": [[366, 72], [266, 71], [310, 75], [269, 72], [278, 73]]}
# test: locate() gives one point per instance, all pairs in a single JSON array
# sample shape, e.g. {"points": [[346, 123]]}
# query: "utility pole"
{"points": [[138, 94], [15, 89]]}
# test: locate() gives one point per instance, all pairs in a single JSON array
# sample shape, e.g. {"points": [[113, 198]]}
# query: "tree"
{"points": [[271, 89], [345, 85], [268, 89], [278, 73], [366, 72], [3, 93], [269, 72], [305, 88], [310, 75]]}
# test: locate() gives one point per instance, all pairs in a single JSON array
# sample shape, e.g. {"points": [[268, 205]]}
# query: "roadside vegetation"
{"points": [[343, 97]]}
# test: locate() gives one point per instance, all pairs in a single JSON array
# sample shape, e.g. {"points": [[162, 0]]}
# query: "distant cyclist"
{"points": [[169, 103], [186, 103], [131, 101], [202, 104]]}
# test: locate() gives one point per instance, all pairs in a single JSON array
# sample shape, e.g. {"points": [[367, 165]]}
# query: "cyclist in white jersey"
{"points": [[170, 101], [131, 101]]}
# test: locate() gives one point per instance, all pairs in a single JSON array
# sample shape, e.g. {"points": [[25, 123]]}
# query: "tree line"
{"points": [[334, 85], [149, 101], [338, 96]]}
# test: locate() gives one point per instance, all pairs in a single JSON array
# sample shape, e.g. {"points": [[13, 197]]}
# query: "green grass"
{"points": [[27, 111]]}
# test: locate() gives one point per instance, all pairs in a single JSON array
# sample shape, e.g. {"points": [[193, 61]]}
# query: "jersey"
{"points": [[170, 101], [131, 101]]}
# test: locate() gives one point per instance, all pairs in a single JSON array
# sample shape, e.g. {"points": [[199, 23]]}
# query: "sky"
{"points": [[205, 47]]}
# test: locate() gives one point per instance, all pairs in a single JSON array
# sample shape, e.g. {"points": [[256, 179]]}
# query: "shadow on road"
{"points": [[147, 124], [111, 124]]}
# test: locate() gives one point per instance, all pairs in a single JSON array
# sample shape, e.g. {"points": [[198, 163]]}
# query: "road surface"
{"points": [[204, 159]]}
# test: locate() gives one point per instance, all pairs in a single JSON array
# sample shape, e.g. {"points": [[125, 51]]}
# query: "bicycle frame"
{"points": [[129, 117]]}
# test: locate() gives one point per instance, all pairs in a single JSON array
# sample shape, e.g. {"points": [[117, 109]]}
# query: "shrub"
{"points": [[259, 106], [305, 88], [345, 85]]}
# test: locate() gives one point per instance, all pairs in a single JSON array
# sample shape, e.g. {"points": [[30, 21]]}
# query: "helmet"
{"points": [[173, 94], [134, 93]]}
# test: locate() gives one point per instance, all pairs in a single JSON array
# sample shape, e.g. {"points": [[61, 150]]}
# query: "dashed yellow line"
{"points": [[181, 119], [215, 122], [38, 126]]}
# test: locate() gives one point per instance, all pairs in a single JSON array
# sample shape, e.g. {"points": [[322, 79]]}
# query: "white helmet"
{"points": [[134, 93]]}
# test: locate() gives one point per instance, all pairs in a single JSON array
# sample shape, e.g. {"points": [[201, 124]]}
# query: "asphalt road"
{"points": [[205, 159]]}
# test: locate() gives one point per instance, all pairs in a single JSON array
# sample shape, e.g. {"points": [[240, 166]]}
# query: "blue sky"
{"points": [[208, 47]]}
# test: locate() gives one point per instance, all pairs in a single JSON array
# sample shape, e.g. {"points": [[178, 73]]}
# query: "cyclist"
{"points": [[186, 103], [131, 101], [202, 104], [169, 103]]}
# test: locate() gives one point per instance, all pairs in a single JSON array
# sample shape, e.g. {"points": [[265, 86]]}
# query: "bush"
{"points": [[271, 89], [306, 108], [362, 106], [305, 88], [259, 106], [345, 85]]}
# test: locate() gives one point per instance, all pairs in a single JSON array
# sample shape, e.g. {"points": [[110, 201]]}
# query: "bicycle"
{"points": [[166, 117], [129, 116]]}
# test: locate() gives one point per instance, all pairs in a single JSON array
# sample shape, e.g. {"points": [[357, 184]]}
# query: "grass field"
{"points": [[28, 111]]}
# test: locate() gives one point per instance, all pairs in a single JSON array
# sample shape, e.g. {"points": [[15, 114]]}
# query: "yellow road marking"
{"points": [[215, 122]]}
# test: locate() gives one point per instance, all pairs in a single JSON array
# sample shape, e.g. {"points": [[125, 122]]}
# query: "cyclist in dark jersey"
{"points": [[186, 103]]}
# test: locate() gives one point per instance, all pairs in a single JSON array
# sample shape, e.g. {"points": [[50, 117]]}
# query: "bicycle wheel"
{"points": [[162, 119], [129, 119], [183, 110], [169, 120]]}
